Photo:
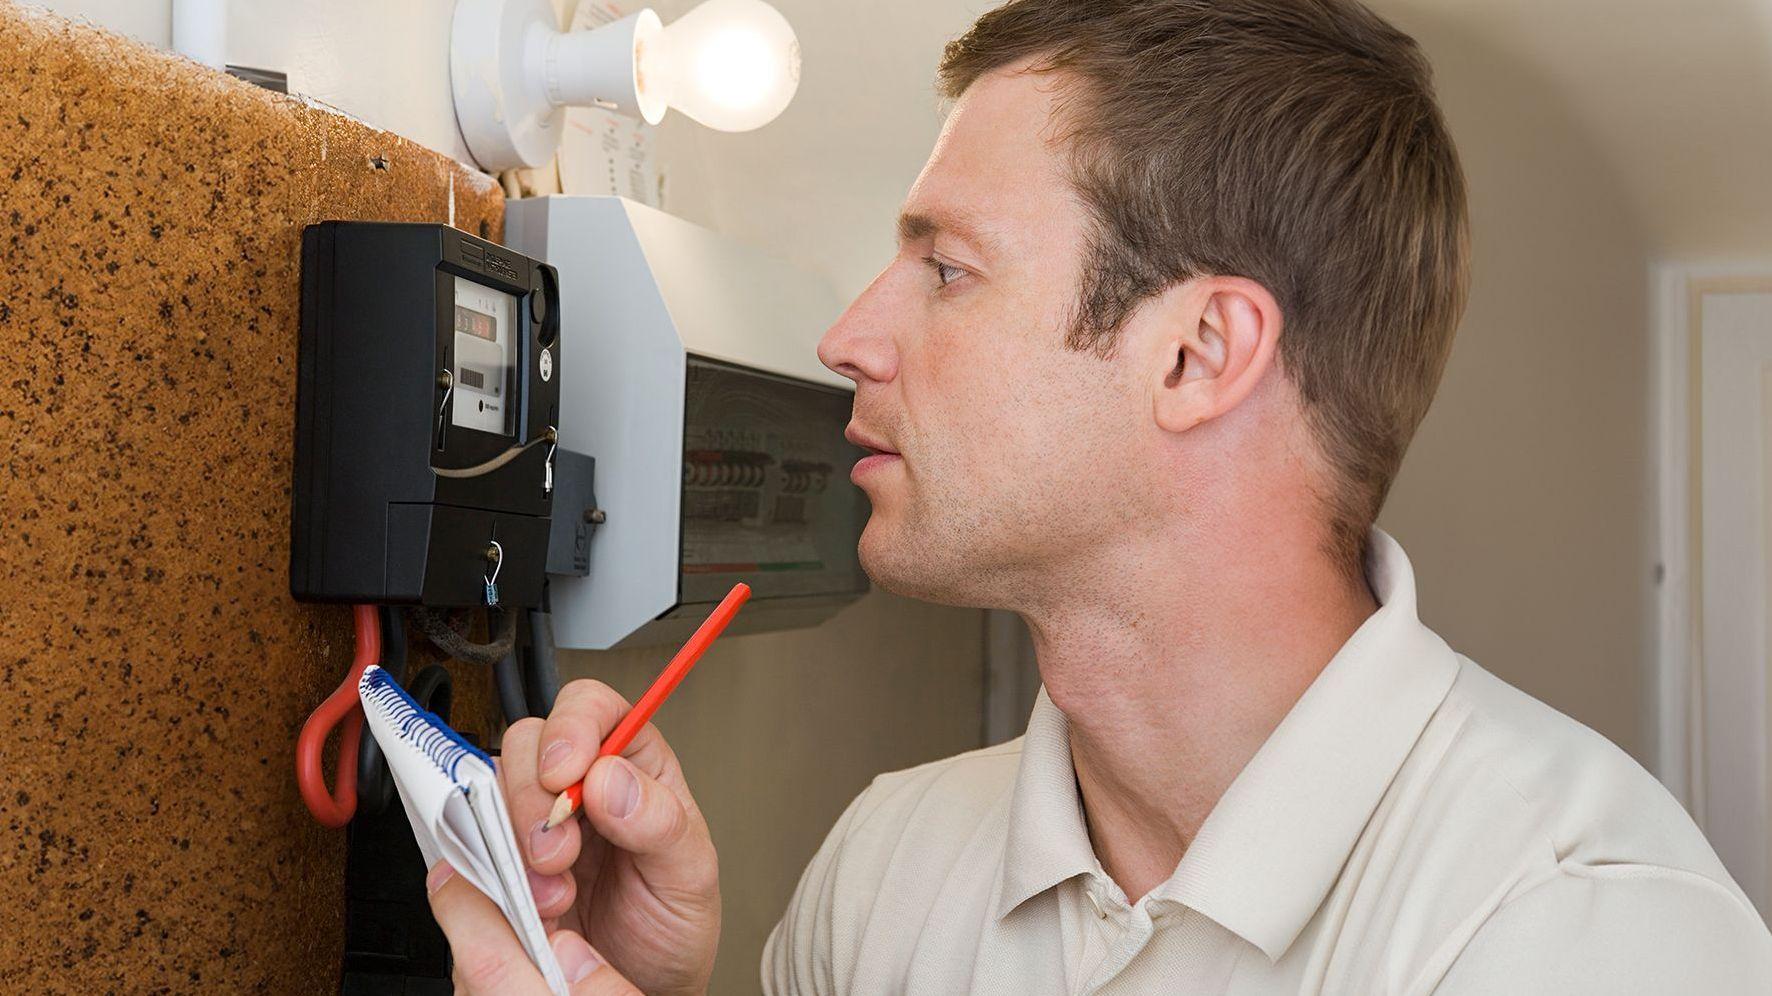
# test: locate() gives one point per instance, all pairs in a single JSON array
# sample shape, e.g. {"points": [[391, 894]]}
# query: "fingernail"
{"points": [[555, 753], [544, 843], [575, 956], [621, 790], [439, 873], [545, 888]]}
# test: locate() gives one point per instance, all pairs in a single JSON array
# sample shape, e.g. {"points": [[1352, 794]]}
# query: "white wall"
{"points": [[147, 21]]}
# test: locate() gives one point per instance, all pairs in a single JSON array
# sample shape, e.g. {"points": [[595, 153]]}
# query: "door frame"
{"points": [[1675, 707]]}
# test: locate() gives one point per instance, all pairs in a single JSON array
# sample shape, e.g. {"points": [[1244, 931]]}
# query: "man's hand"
{"points": [[641, 884], [490, 961]]}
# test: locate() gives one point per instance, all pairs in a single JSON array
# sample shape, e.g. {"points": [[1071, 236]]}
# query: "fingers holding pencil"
{"points": [[585, 714], [648, 879], [639, 803], [639, 717]]}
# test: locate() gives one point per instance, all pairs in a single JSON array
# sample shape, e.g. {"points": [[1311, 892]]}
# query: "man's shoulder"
{"points": [[906, 838], [1615, 929], [961, 788], [1600, 881], [1499, 777], [1508, 820], [910, 832]]}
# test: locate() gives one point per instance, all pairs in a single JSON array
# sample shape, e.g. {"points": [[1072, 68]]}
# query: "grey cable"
{"points": [[511, 453]]}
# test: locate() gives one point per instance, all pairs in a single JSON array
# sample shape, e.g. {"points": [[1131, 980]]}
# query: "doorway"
{"points": [[1714, 663]]}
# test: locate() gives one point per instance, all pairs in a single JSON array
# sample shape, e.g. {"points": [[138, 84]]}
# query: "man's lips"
{"points": [[867, 441], [879, 454], [870, 463]]}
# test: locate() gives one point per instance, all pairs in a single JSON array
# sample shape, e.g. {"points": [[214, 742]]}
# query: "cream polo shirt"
{"points": [[1413, 825]]}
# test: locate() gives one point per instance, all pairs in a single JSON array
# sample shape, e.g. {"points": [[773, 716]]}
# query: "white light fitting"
{"points": [[732, 65]]}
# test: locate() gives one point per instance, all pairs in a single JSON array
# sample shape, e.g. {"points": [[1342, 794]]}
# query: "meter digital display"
{"points": [[485, 357]]}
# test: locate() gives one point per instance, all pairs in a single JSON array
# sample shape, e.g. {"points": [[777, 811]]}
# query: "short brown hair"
{"points": [[1293, 142]]}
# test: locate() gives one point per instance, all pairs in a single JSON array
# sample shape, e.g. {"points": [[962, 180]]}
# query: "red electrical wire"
{"points": [[343, 711]]}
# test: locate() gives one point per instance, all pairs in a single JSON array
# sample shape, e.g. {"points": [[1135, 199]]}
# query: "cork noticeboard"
{"points": [[154, 670]]}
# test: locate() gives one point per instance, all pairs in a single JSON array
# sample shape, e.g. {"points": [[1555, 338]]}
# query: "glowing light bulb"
{"points": [[732, 65]]}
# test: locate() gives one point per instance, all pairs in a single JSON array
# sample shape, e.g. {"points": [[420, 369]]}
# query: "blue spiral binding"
{"points": [[424, 730]]}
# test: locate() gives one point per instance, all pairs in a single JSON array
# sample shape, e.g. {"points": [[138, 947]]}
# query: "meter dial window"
{"points": [[485, 357]]}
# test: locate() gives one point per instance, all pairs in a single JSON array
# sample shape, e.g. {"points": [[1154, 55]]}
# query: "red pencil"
{"points": [[667, 680]]}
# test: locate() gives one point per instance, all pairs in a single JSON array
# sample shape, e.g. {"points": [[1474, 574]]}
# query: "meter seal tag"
{"points": [[446, 381], [547, 477], [496, 554]]}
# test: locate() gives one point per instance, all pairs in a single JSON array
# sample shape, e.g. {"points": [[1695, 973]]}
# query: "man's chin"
{"points": [[912, 573]]}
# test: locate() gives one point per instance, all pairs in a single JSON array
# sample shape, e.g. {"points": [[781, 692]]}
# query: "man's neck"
{"points": [[1174, 675]]}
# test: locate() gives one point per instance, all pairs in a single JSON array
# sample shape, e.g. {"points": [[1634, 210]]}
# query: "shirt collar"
{"points": [[1274, 845], [1048, 840]]}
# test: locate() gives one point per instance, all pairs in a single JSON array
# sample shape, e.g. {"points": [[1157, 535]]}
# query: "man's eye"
{"points": [[943, 272]]}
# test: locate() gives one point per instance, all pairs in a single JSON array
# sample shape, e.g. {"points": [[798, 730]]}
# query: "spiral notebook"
{"points": [[457, 809]]}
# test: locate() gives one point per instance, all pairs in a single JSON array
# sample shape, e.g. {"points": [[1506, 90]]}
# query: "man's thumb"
{"points": [[586, 971]]}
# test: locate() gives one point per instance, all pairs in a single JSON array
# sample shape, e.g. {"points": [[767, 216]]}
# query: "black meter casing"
{"points": [[428, 389]]}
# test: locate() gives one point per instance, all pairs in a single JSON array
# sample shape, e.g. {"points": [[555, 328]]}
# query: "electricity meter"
{"points": [[428, 395]]}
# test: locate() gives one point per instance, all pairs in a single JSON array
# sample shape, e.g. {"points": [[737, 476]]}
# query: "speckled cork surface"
{"points": [[153, 668]]}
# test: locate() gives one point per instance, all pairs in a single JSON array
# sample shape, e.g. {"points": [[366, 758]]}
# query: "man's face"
{"points": [[1005, 456]]}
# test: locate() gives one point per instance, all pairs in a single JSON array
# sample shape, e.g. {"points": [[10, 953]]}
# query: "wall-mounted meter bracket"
{"points": [[428, 392]]}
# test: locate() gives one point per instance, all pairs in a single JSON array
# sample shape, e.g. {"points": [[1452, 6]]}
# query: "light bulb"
{"points": [[729, 64], [732, 65]]}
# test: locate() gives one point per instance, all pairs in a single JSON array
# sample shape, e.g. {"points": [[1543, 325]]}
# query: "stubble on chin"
{"points": [[911, 559]]}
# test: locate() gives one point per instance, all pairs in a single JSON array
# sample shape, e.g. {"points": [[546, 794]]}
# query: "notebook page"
{"points": [[487, 801], [437, 810], [453, 801]]}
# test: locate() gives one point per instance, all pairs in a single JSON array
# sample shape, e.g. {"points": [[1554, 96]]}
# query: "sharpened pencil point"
{"points": [[560, 813]]}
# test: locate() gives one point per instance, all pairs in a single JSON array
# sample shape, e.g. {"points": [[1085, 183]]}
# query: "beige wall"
{"points": [[1524, 500]]}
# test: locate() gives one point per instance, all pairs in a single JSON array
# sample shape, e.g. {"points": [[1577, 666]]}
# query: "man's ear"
{"points": [[1223, 338]]}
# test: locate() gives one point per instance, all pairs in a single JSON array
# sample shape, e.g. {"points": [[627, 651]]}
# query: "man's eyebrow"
{"points": [[915, 226]]}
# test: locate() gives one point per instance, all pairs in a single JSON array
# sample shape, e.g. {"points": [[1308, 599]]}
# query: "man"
{"points": [[1172, 294]]}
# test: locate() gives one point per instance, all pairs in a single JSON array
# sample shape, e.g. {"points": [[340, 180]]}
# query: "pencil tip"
{"points": [[562, 809]]}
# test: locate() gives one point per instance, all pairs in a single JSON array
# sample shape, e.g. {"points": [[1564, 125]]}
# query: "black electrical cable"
{"points": [[436, 626], [434, 689], [393, 642], [509, 679], [541, 672]]}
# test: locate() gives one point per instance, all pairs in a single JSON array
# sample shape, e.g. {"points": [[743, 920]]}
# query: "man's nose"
{"points": [[860, 345]]}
